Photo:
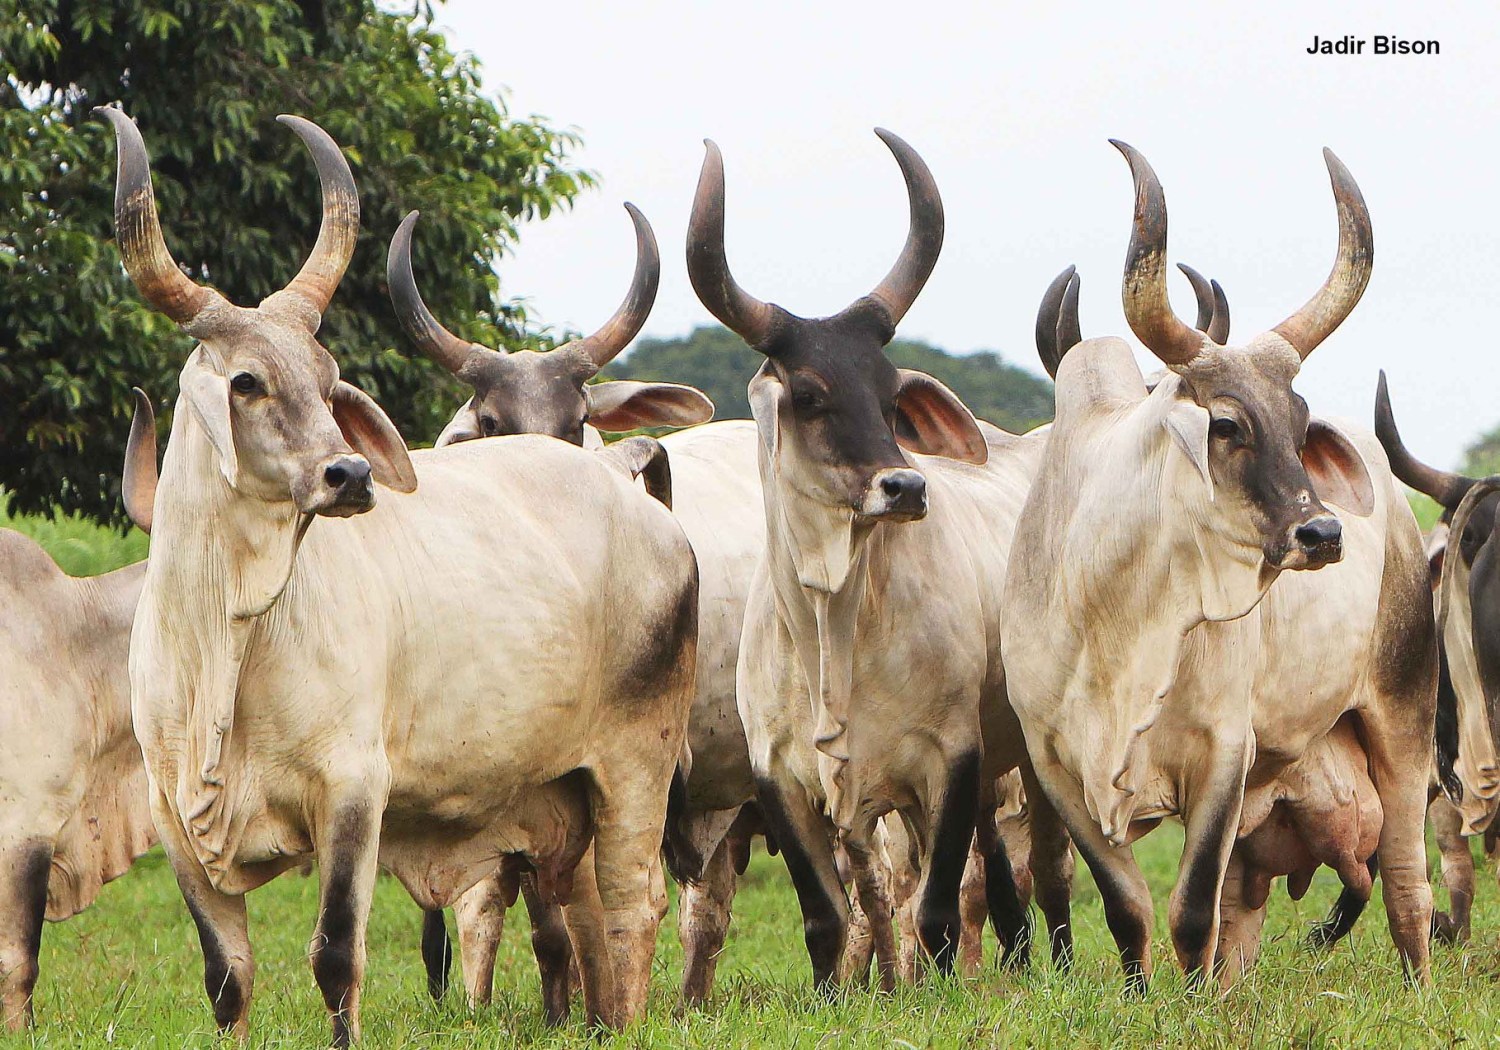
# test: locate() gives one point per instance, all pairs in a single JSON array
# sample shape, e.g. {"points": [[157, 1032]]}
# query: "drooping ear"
{"points": [[766, 391], [625, 405], [371, 433], [138, 487], [207, 395], [1337, 470], [464, 426], [645, 458], [1187, 422], [930, 419]]}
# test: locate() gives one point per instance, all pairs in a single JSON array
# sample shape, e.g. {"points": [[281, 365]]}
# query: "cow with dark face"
{"points": [[1162, 660], [548, 392], [868, 682]]}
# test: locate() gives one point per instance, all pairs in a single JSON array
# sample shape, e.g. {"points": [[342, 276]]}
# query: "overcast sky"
{"points": [[1012, 106]]}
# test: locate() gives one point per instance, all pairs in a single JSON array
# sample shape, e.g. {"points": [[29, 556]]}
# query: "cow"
{"points": [[498, 663], [1464, 787], [1169, 646], [867, 678], [716, 498], [73, 812]]}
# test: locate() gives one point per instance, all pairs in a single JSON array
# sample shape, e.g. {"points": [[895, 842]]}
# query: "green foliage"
{"points": [[1482, 458], [239, 203], [1426, 509], [718, 362], [80, 546]]}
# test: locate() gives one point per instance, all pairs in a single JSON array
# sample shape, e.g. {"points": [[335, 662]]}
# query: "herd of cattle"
{"points": [[924, 657]]}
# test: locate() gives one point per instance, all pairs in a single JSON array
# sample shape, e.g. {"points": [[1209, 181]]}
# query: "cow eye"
{"points": [[244, 383], [488, 427], [805, 399], [1224, 427]]}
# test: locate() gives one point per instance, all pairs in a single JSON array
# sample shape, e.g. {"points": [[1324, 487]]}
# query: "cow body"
{"points": [[1161, 669], [73, 811]]}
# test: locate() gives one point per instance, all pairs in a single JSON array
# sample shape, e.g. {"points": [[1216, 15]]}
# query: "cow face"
{"points": [[547, 392], [260, 388], [1236, 416], [832, 410]]}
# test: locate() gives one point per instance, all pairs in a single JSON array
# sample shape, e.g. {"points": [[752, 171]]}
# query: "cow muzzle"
{"points": [[895, 494], [344, 487], [1310, 544]]}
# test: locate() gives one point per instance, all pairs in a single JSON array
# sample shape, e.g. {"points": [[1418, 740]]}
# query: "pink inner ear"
{"points": [[1336, 470], [373, 436], [931, 420]]}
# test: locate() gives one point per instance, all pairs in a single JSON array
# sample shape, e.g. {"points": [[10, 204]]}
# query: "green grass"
{"points": [[128, 973], [79, 546]]}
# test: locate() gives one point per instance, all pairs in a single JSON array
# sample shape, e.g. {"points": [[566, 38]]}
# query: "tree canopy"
{"points": [[239, 202], [718, 362]]}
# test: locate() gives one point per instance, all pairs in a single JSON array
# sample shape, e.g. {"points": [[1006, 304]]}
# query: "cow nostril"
{"points": [[892, 486], [335, 475], [1319, 532]]}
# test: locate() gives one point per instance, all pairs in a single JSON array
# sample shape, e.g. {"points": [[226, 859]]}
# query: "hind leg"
{"points": [[973, 910], [553, 951], [1242, 915], [480, 915], [1398, 767], [1452, 926], [876, 904], [1050, 862], [24, 871], [704, 915]]}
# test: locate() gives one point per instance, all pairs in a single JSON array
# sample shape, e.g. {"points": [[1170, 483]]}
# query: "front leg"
{"points": [[1452, 927], [479, 913], [803, 836], [1211, 815], [348, 845], [952, 806], [24, 870], [554, 953]]}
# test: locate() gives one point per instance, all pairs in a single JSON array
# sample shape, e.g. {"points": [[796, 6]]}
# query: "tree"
{"points": [[719, 363], [1482, 457], [240, 205]]}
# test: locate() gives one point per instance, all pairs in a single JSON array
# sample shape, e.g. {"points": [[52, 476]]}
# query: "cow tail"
{"points": [[1446, 736], [683, 859]]}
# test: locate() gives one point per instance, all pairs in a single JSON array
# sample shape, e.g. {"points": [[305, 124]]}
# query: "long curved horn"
{"points": [[138, 487], [1047, 317], [1444, 487], [1204, 293], [1145, 287], [338, 231], [138, 229], [1069, 332], [431, 338], [1218, 328], [924, 236], [708, 269], [620, 329], [1325, 311]]}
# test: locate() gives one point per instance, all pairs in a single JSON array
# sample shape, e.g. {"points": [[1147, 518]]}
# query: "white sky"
{"points": [[1011, 105]]}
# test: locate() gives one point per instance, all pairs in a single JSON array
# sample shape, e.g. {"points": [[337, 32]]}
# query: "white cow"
{"points": [[867, 680], [1154, 666], [499, 663]]}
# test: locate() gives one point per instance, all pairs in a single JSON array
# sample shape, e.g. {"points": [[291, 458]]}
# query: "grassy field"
{"points": [[128, 971]]}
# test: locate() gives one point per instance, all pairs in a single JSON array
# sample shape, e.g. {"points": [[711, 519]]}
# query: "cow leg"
{"points": [[584, 912], [875, 902], [973, 910], [802, 835], [479, 913], [1211, 818], [1399, 768], [1452, 927], [348, 845], [704, 913], [1242, 914], [437, 952], [1050, 863], [24, 870], [859, 946], [1008, 912], [627, 840], [1128, 909], [553, 951], [950, 818], [1346, 910], [223, 933]]}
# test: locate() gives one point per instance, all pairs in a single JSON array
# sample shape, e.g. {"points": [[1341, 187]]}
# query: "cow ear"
{"points": [[626, 405], [464, 426], [930, 419], [371, 433], [1337, 470], [1187, 422], [766, 391], [207, 394]]}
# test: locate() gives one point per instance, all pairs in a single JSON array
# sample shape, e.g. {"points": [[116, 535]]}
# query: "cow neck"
{"points": [[220, 561], [1158, 564], [817, 556]]}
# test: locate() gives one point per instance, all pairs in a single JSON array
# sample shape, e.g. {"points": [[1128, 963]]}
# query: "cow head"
{"points": [[266, 395], [833, 412], [548, 392], [1232, 410]]}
